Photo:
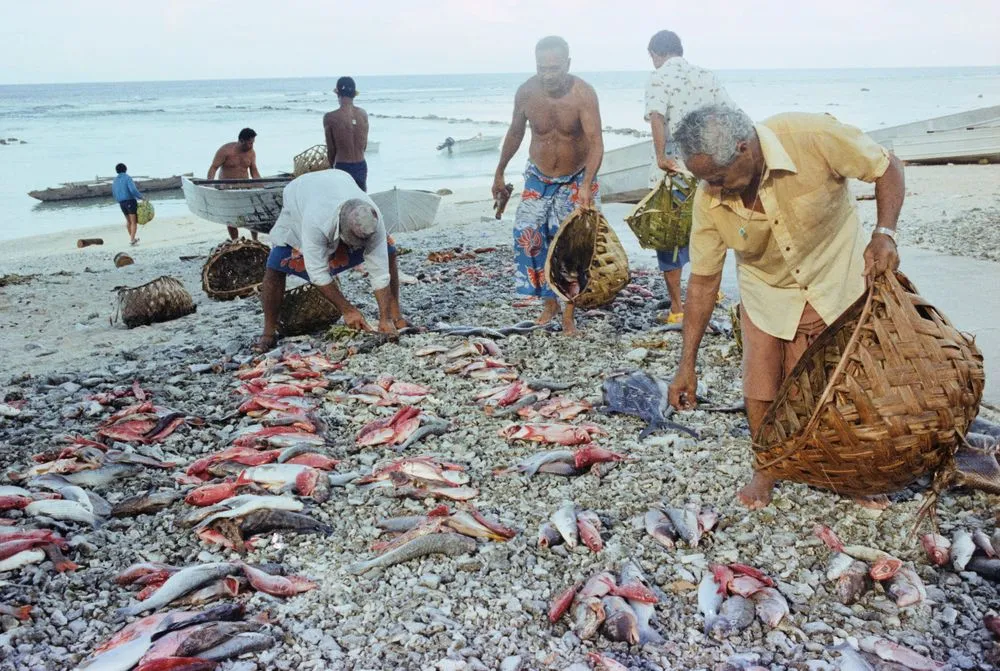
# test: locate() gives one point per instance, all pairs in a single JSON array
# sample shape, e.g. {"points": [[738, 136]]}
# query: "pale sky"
{"points": [[119, 40]]}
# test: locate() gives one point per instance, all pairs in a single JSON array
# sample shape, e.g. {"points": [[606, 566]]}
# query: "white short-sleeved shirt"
{"points": [[310, 222], [674, 90]]}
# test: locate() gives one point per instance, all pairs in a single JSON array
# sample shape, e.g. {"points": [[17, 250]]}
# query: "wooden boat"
{"points": [[471, 145], [244, 203], [255, 203], [966, 137], [405, 210], [100, 187], [624, 173]]}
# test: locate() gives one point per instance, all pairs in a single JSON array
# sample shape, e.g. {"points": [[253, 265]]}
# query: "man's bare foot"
{"points": [[569, 324], [757, 493], [878, 502], [265, 343], [548, 312], [401, 322]]}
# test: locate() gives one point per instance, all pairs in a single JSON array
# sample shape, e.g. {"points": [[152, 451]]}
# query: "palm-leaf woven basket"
{"points": [[161, 300], [304, 310], [234, 269], [312, 159], [662, 220], [883, 397], [144, 212], [586, 264]]}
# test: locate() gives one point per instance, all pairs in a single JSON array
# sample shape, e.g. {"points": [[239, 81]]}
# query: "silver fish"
{"points": [[59, 509], [20, 559], [297, 449], [99, 477], [735, 615], [89, 500], [839, 562], [252, 503], [209, 635], [548, 535], [238, 645], [685, 521], [400, 524], [770, 605], [125, 656], [441, 543], [982, 541], [531, 465], [11, 490], [906, 588], [851, 659], [343, 479], [853, 582], [564, 520], [620, 623], [659, 526], [709, 599], [865, 553], [644, 612], [431, 428], [183, 582], [962, 549], [146, 504]]}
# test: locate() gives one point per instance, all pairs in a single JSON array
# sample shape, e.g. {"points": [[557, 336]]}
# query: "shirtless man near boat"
{"points": [[346, 131], [564, 156], [237, 160]]}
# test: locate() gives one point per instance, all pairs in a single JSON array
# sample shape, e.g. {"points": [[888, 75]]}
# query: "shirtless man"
{"points": [[564, 156], [346, 132], [238, 160]]}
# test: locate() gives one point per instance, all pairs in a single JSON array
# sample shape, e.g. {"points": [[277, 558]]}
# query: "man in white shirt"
{"points": [[326, 226], [675, 88]]}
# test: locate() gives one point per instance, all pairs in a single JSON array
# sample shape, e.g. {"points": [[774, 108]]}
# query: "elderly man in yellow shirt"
{"points": [[776, 194]]}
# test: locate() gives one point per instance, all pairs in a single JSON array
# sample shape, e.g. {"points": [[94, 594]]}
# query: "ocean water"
{"points": [[75, 132]]}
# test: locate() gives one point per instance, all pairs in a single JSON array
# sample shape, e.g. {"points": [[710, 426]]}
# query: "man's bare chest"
{"points": [[560, 117]]}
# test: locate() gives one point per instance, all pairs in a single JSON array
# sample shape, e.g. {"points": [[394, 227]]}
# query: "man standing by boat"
{"points": [[127, 194], [346, 131], [237, 160], [776, 193], [675, 88], [326, 226], [563, 159]]}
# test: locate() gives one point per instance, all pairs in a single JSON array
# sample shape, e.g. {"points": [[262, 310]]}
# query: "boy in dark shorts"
{"points": [[125, 192]]}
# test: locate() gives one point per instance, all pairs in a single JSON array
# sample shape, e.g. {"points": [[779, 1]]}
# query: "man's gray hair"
{"points": [[358, 220], [714, 130]]}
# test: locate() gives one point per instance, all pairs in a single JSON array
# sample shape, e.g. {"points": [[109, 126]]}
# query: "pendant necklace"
{"points": [[756, 198]]}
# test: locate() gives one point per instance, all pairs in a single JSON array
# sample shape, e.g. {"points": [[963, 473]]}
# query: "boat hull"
{"points": [[474, 145], [103, 189], [624, 173]]}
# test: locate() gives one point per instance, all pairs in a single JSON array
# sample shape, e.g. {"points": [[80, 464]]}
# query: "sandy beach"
{"points": [[487, 609]]}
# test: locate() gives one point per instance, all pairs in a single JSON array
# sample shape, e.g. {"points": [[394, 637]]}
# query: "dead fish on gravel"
{"points": [[631, 574], [736, 614], [478, 331], [146, 504], [987, 568], [177, 585], [962, 549], [938, 548], [770, 605], [891, 651], [906, 588], [564, 520], [620, 623], [853, 582], [643, 396], [710, 596], [266, 521], [433, 427], [239, 644], [104, 475], [89, 500], [59, 509], [660, 528], [248, 504], [439, 543], [588, 616], [531, 465]]}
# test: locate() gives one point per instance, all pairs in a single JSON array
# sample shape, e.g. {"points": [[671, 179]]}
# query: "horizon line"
{"points": [[468, 74]]}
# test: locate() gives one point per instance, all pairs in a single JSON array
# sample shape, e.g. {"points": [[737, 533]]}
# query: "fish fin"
{"points": [[648, 430]]}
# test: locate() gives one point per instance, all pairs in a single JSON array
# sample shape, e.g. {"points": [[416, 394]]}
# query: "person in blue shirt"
{"points": [[125, 192]]}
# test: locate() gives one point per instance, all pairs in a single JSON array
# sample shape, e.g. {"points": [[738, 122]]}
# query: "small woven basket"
{"points": [[161, 300], [662, 220], [305, 310], [586, 263], [234, 269], [883, 397], [734, 317], [144, 212], [312, 159]]}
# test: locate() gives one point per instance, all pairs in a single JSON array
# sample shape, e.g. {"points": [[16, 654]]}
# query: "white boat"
{"points": [[471, 145], [405, 210], [255, 203], [624, 173], [966, 137]]}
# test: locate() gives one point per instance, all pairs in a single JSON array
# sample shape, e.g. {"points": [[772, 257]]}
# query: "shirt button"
{"points": [[796, 271], [788, 249]]}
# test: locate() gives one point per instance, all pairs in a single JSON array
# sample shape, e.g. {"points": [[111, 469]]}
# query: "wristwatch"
{"points": [[882, 230]]}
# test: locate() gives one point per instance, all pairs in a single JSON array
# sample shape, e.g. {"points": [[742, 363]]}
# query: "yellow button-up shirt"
{"points": [[808, 245]]}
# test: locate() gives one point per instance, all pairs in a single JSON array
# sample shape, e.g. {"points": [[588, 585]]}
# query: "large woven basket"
{"points": [[144, 212], [883, 397], [586, 264], [234, 269], [161, 300], [305, 310], [662, 220], [312, 159]]}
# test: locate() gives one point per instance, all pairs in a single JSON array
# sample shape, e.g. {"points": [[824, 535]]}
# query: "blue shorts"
{"points": [[359, 171], [286, 259], [667, 261], [130, 206]]}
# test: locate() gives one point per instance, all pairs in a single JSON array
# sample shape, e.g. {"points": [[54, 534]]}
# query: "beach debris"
{"points": [[640, 394], [87, 242], [122, 259]]}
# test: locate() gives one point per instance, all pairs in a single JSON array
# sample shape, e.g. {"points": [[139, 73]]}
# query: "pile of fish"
{"points": [[557, 434], [20, 546], [881, 653], [571, 526], [565, 462], [182, 640], [421, 477], [856, 568], [142, 423], [666, 524], [475, 359], [619, 608], [966, 551], [729, 596], [406, 426], [234, 521], [385, 390]]}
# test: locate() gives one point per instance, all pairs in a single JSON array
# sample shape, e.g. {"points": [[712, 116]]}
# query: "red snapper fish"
{"points": [[559, 434], [392, 430]]}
